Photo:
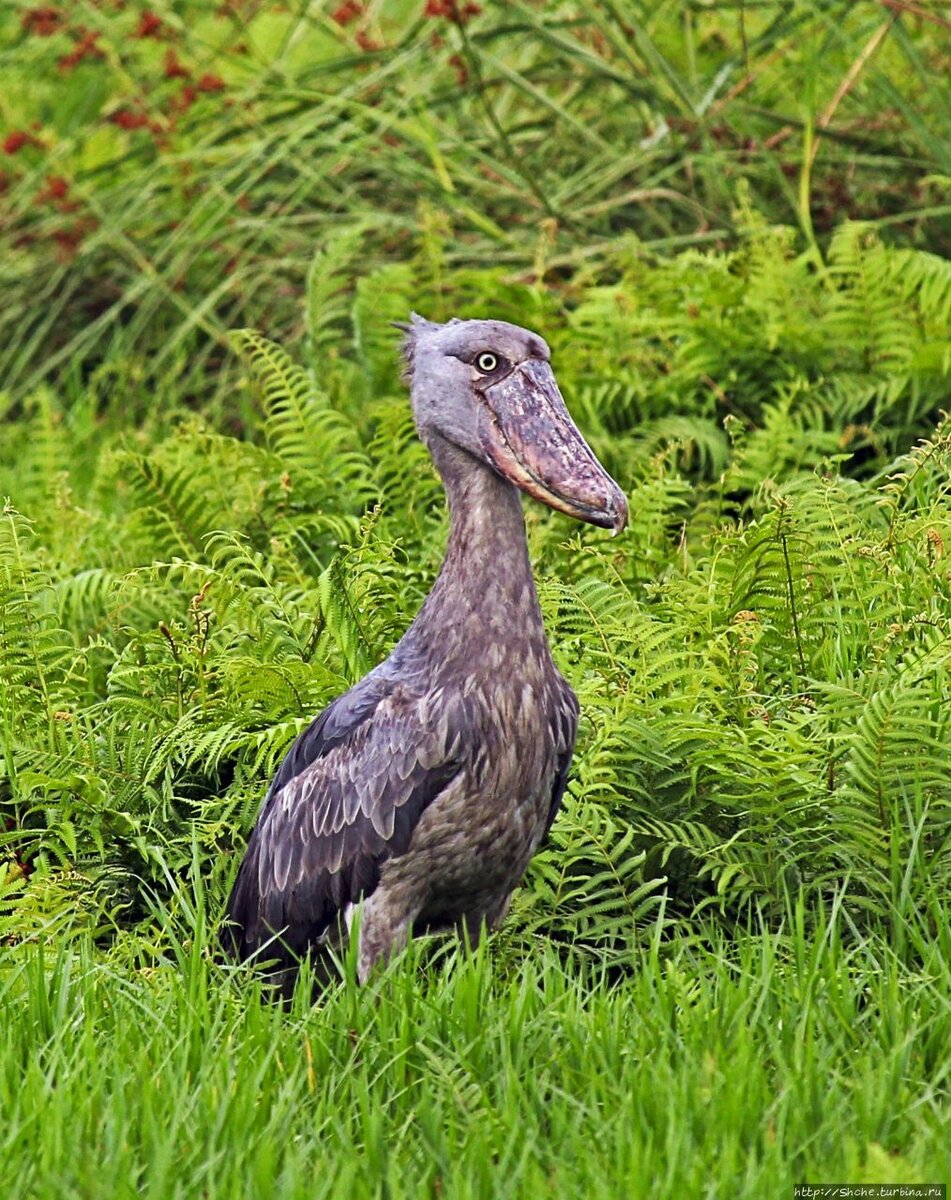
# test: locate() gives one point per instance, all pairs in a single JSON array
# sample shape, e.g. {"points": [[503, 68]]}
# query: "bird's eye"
{"points": [[487, 362]]}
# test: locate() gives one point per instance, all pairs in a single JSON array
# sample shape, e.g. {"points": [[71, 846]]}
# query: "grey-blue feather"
{"points": [[423, 792]]}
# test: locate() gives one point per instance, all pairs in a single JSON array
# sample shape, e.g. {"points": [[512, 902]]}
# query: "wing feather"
{"points": [[346, 797], [565, 730]]}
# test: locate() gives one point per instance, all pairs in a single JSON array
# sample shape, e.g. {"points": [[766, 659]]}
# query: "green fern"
{"points": [[761, 659]]}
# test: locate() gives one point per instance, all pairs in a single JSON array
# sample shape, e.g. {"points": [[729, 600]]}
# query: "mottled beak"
{"points": [[529, 437]]}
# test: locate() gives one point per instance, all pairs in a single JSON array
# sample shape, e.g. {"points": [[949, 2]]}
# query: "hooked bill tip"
{"points": [[620, 521]]}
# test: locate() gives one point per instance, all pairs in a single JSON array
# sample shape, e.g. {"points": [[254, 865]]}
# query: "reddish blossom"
{"points": [[452, 10], [347, 12], [365, 42], [85, 47], [457, 62], [127, 118], [16, 140], [150, 26], [70, 237], [43, 22], [56, 189], [211, 83], [173, 68], [185, 99]]}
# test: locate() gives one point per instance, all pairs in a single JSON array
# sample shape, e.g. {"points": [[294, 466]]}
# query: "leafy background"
{"points": [[731, 224]]}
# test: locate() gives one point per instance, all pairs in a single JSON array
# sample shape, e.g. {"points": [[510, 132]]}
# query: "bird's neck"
{"points": [[485, 594]]}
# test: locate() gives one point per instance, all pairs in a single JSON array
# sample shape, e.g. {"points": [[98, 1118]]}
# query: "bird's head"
{"points": [[487, 387]]}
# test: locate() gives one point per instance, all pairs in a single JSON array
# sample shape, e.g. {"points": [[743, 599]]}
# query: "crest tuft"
{"points": [[411, 330]]}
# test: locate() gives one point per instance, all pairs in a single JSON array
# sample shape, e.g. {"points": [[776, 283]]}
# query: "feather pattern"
{"points": [[423, 792], [346, 797]]}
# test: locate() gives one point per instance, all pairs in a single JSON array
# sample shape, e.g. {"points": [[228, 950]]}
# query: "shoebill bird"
{"points": [[422, 793]]}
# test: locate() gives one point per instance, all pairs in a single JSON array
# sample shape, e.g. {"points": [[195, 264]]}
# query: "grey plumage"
{"points": [[424, 791]]}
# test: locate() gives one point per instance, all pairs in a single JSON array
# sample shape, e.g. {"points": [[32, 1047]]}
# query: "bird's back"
{"points": [[429, 800]]}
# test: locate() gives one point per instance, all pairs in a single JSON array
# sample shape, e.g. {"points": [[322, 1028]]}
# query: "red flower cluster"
{"points": [[184, 100], [347, 12], [43, 22], [457, 62], [85, 47], [55, 193], [452, 10], [56, 189], [16, 139], [365, 42], [189, 93], [173, 68], [127, 118], [150, 26], [69, 238]]}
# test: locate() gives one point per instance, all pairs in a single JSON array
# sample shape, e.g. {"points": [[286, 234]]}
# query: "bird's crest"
{"points": [[412, 329]]}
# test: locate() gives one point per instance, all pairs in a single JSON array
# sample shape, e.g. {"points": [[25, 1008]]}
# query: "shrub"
{"points": [[762, 659]]}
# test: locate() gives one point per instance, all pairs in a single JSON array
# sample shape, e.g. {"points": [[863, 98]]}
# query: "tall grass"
{"points": [[728, 970], [717, 1067], [545, 138]]}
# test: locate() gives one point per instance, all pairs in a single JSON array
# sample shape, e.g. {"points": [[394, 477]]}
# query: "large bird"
{"points": [[422, 793]]}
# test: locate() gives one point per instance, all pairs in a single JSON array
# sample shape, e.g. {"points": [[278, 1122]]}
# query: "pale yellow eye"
{"points": [[486, 362]]}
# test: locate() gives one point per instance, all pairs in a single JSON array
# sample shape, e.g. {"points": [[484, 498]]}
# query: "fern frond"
{"points": [[330, 280], [317, 447]]}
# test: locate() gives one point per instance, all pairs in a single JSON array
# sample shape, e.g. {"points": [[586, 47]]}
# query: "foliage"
{"points": [[167, 168], [740, 1066], [762, 659], [727, 971]]}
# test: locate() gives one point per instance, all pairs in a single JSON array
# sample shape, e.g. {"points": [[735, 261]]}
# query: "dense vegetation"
{"points": [[728, 970], [169, 168]]}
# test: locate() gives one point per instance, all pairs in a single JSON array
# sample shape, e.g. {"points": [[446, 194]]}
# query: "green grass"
{"points": [[718, 1067], [546, 138], [728, 970]]}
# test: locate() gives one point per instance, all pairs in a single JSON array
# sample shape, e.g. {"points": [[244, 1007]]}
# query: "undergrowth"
{"points": [[762, 659], [166, 167], [726, 1066], [727, 971]]}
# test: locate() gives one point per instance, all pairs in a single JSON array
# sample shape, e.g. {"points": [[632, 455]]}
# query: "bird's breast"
{"points": [[473, 843]]}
